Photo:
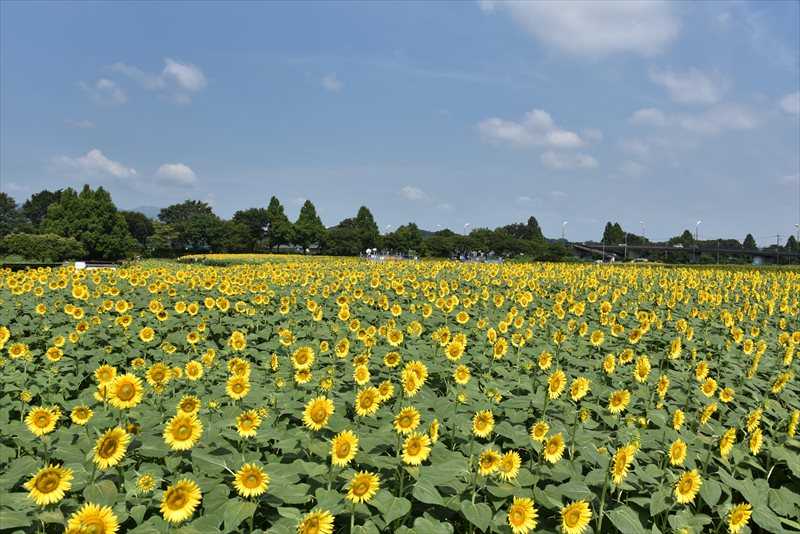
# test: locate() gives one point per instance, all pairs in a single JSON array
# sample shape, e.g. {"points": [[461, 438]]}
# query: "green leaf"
{"points": [[576, 490], [21, 467], [427, 525], [330, 500], [427, 493], [784, 501], [626, 520], [479, 514], [710, 491], [766, 519], [389, 506], [102, 492], [235, 511], [137, 512], [658, 501], [10, 519]]}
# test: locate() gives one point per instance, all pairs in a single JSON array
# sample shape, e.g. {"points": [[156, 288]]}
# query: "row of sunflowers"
{"points": [[320, 395]]}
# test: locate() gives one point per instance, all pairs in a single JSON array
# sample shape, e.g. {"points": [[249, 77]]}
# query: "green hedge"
{"points": [[42, 247]]}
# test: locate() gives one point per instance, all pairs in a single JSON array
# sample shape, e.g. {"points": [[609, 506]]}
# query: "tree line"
{"points": [[67, 224]]}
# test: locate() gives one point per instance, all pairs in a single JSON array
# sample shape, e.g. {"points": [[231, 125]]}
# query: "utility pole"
{"points": [[717, 251], [626, 246], [778, 249]]}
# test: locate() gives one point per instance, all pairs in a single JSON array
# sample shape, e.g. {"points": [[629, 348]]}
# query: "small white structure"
{"points": [[80, 265]]}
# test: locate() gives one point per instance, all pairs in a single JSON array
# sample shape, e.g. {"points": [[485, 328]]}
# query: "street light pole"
{"points": [[696, 238], [563, 229], [626, 246]]}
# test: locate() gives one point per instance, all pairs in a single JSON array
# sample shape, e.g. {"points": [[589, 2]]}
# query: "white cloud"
{"points": [[595, 28], [789, 179], [566, 161], [412, 193], [558, 194], [524, 199], [690, 87], [720, 118], [331, 83], [83, 124], [649, 116], [95, 162], [635, 147], [537, 128], [105, 91], [445, 206], [632, 169], [177, 174], [592, 135], [176, 78], [791, 103]]}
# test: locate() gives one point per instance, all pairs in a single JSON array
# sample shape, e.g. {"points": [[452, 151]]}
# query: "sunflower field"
{"points": [[327, 395]]}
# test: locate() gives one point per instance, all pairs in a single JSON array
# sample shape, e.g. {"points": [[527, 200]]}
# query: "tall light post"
{"points": [[564, 230], [466, 225], [696, 237], [643, 231]]}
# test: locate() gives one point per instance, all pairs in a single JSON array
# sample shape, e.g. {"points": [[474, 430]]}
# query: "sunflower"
{"points": [[677, 452], [368, 401], [180, 501], [194, 370], [619, 401], [483, 423], [454, 351], [597, 338], [303, 376], [49, 484], [145, 483], [110, 448], [93, 518], [554, 448], [80, 415], [189, 404], [386, 390], [522, 515], [344, 448], [41, 420], [609, 364], [105, 374], [182, 432], [622, 460], [539, 431], [125, 391], [726, 442], [642, 370], [575, 517], [488, 461], [147, 334], [738, 517], [407, 420], [687, 486], [461, 375], [579, 388], [237, 387], [251, 481], [363, 487], [416, 449], [316, 522], [726, 394], [303, 358], [158, 374], [317, 413], [509, 465], [756, 441], [247, 423], [556, 383], [361, 374], [433, 430], [677, 419]]}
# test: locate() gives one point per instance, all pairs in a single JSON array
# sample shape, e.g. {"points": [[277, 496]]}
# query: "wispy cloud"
{"points": [[536, 128], [331, 83], [95, 162]]}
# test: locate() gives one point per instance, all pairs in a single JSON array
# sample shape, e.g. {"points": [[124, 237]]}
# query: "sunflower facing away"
{"points": [[344, 448], [575, 517], [317, 413], [251, 481], [316, 522], [687, 486], [182, 432], [93, 518], [49, 484], [522, 515], [180, 501], [110, 448], [363, 487]]}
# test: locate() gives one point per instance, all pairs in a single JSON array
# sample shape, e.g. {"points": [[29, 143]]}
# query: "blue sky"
{"points": [[447, 114]]}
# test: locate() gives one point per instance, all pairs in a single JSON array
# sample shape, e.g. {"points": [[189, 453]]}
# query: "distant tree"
{"points": [[139, 225], [405, 239], [749, 242], [11, 219], [441, 244], [344, 239], [255, 219], [236, 237], [308, 229], [35, 208], [791, 244], [161, 243], [92, 218], [528, 231], [613, 234], [197, 227], [279, 229], [367, 228]]}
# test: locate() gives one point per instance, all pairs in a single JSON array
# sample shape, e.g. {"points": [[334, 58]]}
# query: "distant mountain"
{"points": [[150, 211]]}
